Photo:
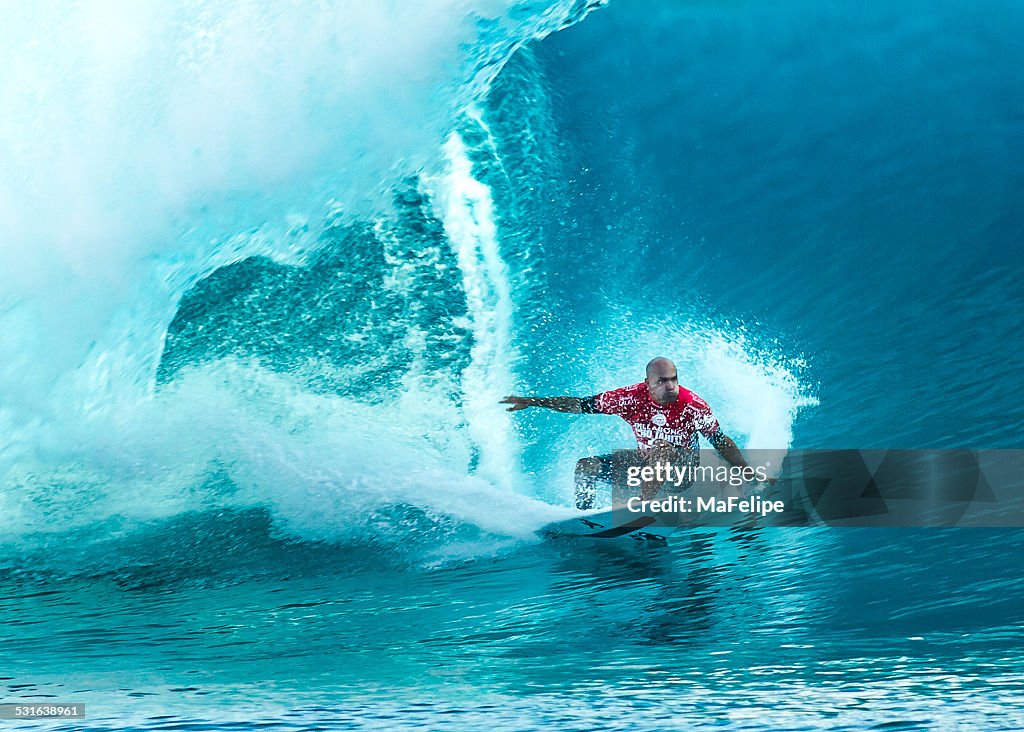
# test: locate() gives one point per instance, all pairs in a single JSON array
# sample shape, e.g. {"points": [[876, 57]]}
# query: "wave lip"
{"points": [[172, 140]]}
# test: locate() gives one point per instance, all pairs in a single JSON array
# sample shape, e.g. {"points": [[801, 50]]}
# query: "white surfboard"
{"points": [[612, 525]]}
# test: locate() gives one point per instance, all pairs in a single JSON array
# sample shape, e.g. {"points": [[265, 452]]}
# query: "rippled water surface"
{"points": [[797, 628]]}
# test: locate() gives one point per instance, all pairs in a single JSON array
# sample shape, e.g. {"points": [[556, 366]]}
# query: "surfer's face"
{"points": [[663, 383]]}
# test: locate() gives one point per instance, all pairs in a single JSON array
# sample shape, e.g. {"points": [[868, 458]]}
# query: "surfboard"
{"points": [[611, 525]]}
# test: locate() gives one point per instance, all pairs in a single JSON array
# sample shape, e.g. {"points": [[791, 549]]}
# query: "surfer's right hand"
{"points": [[516, 402]]}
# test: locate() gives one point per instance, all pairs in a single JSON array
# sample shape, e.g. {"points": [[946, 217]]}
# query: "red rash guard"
{"points": [[677, 423]]}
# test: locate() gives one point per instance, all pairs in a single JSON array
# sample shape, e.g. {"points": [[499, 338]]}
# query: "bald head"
{"points": [[659, 364], [662, 380]]}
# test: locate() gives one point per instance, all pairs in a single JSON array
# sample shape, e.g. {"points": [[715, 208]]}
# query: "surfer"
{"points": [[665, 419]]}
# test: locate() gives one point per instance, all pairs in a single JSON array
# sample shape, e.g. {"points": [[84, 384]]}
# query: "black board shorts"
{"points": [[615, 466]]}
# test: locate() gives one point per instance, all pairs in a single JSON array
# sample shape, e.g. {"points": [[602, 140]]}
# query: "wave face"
{"points": [[842, 185], [306, 278]]}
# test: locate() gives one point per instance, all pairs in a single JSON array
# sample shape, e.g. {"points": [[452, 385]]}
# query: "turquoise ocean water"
{"points": [[268, 269]]}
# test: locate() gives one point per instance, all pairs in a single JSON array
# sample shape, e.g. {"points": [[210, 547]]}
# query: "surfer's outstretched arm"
{"points": [[572, 405]]}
